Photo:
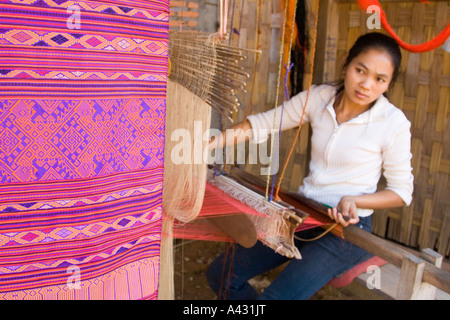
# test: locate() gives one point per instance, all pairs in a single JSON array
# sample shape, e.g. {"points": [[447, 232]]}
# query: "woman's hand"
{"points": [[346, 212], [237, 133]]}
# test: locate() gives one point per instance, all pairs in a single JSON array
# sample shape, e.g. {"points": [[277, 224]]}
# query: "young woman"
{"points": [[357, 135]]}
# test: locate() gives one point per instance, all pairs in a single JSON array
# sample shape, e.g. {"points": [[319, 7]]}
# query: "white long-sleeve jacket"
{"points": [[346, 159]]}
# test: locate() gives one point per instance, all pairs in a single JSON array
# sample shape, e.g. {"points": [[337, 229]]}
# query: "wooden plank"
{"points": [[437, 277], [421, 106], [410, 277], [428, 291], [326, 46], [425, 224], [444, 234], [406, 223], [413, 68], [390, 275], [443, 108], [432, 257], [395, 254], [380, 247]]}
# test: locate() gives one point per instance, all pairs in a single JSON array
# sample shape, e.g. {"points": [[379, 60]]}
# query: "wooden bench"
{"points": [[404, 274]]}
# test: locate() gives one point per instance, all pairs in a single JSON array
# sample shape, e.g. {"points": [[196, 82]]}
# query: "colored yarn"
{"points": [[427, 46], [285, 98], [306, 101]]}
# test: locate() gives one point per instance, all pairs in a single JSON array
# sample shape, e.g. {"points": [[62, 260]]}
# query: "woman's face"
{"points": [[368, 76]]}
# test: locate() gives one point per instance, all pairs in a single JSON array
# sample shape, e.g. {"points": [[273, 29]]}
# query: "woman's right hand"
{"points": [[346, 212], [235, 134]]}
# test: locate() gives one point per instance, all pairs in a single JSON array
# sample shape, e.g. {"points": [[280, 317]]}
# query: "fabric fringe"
{"points": [[184, 173]]}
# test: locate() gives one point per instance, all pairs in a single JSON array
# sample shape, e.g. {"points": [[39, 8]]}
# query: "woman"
{"points": [[357, 136]]}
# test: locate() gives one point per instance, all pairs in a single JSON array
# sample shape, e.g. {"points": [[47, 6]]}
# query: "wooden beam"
{"points": [[427, 290], [437, 277], [410, 277], [395, 255], [380, 247]]}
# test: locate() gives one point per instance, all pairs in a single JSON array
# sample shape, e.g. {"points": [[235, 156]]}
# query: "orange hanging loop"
{"points": [[434, 43]]}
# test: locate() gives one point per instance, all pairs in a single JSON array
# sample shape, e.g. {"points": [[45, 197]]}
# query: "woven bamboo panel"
{"points": [[422, 92]]}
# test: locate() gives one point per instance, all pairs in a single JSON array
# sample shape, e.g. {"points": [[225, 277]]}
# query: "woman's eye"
{"points": [[359, 70], [380, 80]]}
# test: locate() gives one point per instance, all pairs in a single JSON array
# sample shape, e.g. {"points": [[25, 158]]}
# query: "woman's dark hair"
{"points": [[375, 40]]}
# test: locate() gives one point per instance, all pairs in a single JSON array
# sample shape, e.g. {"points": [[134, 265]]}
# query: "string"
{"points": [[228, 257], [231, 23], [257, 52], [319, 236], [257, 46], [220, 18], [285, 98], [280, 63], [223, 18], [288, 67], [182, 268], [216, 171], [182, 17], [217, 150], [240, 19], [306, 101]]}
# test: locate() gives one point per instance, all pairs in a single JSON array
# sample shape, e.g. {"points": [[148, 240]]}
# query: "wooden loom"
{"points": [[249, 217], [274, 225], [201, 64], [205, 73]]}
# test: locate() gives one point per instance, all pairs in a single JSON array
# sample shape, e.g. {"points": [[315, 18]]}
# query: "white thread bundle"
{"points": [[184, 183]]}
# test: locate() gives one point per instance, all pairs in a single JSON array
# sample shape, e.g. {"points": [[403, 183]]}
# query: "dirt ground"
{"points": [[192, 258]]}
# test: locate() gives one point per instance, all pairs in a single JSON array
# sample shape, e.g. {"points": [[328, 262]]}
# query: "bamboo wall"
{"points": [[422, 92]]}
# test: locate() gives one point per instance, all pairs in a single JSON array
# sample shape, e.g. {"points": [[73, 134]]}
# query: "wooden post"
{"points": [[411, 285], [429, 291]]}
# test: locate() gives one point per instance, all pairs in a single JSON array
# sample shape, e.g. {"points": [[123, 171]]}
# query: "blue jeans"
{"points": [[322, 260]]}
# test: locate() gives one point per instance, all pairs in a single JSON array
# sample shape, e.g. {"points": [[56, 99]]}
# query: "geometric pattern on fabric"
{"points": [[90, 226], [82, 120]]}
